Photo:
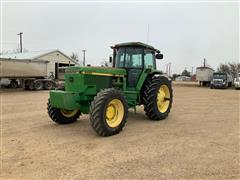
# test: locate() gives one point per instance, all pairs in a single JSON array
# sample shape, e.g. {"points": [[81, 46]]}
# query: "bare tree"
{"points": [[75, 57], [3, 52], [17, 50], [229, 68], [186, 73], [105, 63], [224, 68]]}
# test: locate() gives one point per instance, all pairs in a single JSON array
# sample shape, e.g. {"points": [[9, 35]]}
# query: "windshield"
{"points": [[219, 76], [129, 57]]}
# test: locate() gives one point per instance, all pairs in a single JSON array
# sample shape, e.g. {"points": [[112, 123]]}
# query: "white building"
{"points": [[55, 59]]}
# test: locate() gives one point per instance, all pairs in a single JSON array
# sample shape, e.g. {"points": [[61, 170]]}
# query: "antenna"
{"points": [[148, 33]]}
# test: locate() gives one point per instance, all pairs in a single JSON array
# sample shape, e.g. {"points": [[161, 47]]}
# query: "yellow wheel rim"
{"points": [[114, 113], [163, 98], [68, 113]]}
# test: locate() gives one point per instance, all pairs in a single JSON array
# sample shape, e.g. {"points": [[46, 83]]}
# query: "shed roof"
{"points": [[26, 55], [32, 55]]}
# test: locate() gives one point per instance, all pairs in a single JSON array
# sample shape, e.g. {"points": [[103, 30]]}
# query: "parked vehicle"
{"points": [[221, 80], [30, 74], [183, 78], [204, 75], [106, 93], [237, 81]]}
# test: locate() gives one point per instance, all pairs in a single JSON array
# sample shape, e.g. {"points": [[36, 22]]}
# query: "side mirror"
{"points": [[110, 59], [159, 56]]}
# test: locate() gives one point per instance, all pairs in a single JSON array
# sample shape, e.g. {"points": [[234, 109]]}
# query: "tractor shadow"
{"points": [[82, 126], [138, 116]]}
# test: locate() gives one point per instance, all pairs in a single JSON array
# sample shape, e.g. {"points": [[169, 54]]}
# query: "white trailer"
{"points": [[204, 75], [31, 73]]}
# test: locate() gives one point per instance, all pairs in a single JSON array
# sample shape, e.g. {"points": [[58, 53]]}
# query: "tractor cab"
{"points": [[135, 57]]}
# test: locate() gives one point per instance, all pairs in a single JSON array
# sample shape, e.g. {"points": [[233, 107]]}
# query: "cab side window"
{"points": [[120, 58], [149, 60]]}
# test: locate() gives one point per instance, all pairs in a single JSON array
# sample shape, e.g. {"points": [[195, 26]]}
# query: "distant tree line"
{"points": [[184, 73], [74, 56], [17, 50], [230, 68]]}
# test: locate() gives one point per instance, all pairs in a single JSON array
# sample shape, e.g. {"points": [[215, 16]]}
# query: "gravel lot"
{"points": [[199, 140]]}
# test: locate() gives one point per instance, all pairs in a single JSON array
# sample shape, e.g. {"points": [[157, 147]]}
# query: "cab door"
{"points": [[133, 65]]}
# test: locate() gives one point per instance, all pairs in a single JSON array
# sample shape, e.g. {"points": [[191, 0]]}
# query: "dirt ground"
{"points": [[199, 140]]}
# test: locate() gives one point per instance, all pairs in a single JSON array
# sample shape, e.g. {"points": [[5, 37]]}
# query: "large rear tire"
{"points": [[62, 116], [108, 112], [157, 97]]}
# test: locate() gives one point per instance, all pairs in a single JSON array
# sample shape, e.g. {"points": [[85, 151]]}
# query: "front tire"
{"points": [[157, 98], [108, 112], [62, 116]]}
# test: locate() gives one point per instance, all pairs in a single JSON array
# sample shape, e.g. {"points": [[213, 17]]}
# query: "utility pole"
{"points": [[84, 52], [20, 35], [169, 71]]}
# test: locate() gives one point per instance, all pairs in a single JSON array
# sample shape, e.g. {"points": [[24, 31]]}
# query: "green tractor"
{"points": [[106, 93]]}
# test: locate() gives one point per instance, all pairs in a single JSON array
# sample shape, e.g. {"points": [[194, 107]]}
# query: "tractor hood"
{"points": [[101, 71]]}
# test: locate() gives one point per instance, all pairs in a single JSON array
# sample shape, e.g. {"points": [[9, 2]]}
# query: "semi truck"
{"points": [[30, 74], [204, 75], [221, 80]]}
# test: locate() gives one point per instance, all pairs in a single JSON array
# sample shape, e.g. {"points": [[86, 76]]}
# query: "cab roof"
{"points": [[138, 44]]}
